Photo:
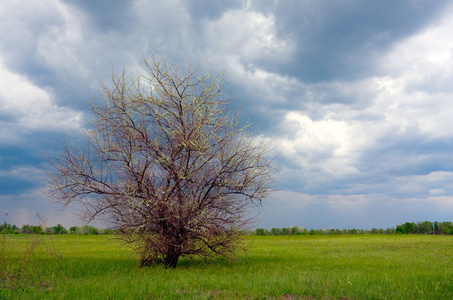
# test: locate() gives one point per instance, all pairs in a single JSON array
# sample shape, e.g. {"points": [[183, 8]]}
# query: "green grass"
{"points": [[286, 267]]}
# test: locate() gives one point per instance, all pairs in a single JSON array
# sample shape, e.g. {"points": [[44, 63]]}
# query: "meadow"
{"points": [[273, 267]]}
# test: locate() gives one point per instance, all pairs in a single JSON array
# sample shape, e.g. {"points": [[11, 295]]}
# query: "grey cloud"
{"points": [[106, 15], [408, 154], [381, 167], [204, 9], [20, 27], [343, 39]]}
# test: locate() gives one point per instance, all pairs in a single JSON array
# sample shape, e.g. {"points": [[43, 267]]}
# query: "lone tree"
{"points": [[166, 164]]}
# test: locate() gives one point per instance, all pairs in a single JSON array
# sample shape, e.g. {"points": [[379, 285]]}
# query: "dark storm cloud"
{"points": [[343, 39], [12, 185], [23, 164], [15, 155]]}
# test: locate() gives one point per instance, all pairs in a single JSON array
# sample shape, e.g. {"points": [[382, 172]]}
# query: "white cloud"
{"points": [[434, 183], [65, 47], [419, 82], [427, 51], [29, 108], [325, 143], [247, 34], [241, 41], [331, 135]]}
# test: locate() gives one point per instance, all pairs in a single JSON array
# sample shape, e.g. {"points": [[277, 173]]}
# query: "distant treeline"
{"points": [[59, 229], [426, 227]]}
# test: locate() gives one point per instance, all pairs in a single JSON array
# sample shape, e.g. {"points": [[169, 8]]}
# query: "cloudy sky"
{"points": [[357, 96]]}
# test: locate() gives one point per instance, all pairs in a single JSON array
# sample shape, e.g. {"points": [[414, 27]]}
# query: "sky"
{"points": [[357, 96]]}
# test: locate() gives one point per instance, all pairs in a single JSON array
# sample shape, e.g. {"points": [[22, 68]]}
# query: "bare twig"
{"points": [[167, 164]]}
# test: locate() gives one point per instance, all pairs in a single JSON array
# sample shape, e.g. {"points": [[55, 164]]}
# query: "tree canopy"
{"points": [[167, 163]]}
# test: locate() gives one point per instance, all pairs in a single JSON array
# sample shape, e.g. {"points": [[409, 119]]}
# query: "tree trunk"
{"points": [[171, 260]]}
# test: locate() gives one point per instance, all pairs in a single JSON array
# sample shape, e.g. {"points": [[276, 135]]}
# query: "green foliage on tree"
{"points": [[59, 229], [400, 229], [8, 228], [425, 227]]}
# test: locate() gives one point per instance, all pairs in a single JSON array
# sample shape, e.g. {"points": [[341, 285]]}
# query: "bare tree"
{"points": [[167, 164]]}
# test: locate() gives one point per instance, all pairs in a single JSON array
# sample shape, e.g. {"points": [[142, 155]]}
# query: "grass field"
{"points": [[274, 267]]}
